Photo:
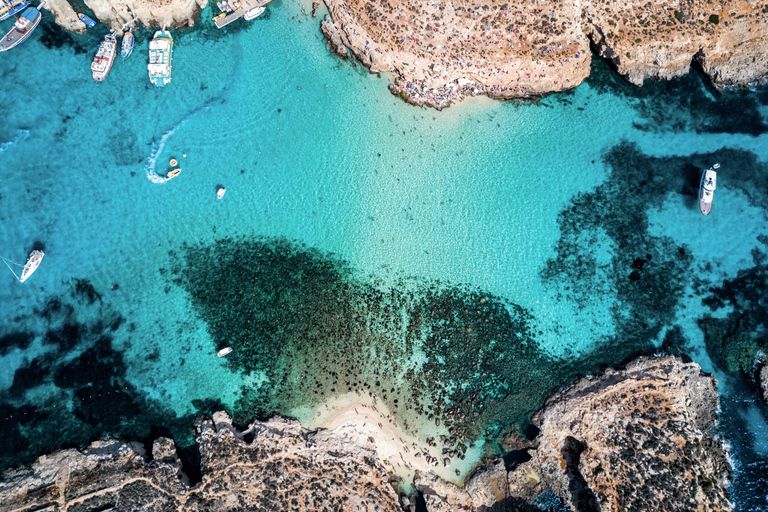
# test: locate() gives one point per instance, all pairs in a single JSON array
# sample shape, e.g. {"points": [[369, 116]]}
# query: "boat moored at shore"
{"points": [[707, 189], [104, 58], [254, 13], [160, 58], [86, 19], [8, 8], [126, 48], [22, 29]]}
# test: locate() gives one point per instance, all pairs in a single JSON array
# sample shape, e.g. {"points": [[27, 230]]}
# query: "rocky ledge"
{"points": [[441, 52], [633, 439]]}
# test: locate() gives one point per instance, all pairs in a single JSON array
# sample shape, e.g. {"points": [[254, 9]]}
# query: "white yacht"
{"points": [[104, 58], [707, 189], [160, 58], [254, 13]]}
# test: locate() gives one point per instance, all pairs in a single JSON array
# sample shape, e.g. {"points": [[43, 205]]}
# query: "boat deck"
{"points": [[245, 6]]}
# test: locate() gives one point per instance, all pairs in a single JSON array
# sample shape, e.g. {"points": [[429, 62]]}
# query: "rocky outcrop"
{"points": [[632, 439], [282, 468], [440, 53], [119, 13], [763, 380]]}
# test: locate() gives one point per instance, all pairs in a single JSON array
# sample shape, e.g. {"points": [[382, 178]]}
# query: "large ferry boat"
{"points": [[21, 30], [104, 58], [8, 9], [707, 189], [160, 57]]}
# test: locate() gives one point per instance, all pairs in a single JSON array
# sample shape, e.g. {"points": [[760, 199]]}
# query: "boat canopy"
{"points": [[710, 181]]}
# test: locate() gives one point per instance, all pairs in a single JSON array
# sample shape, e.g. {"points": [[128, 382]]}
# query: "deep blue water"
{"points": [[481, 256]]}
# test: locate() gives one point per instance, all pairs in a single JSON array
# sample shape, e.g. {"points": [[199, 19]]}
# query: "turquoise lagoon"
{"points": [[363, 244]]}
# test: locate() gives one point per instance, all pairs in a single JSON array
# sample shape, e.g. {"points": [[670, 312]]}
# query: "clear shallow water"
{"points": [[539, 210]]}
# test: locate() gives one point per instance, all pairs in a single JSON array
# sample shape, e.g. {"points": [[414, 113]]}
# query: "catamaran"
{"points": [[160, 58], [35, 257], [8, 9], [127, 46], [104, 58], [21, 30], [707, 189]]}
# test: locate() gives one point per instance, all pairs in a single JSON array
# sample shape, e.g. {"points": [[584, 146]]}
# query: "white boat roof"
{"points": [[710, 180], [157, 69], [159, 44]]}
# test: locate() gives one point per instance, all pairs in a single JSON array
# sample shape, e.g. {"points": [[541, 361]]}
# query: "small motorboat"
{"points": [[707, 189], [126, 48], [220, 193], [218, 17], [174, 173], [86, 19], [224, 351], [254, 13]]}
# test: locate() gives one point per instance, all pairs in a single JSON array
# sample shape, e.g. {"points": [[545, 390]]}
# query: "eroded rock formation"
{"points": [[440, 53], [633, 439]]}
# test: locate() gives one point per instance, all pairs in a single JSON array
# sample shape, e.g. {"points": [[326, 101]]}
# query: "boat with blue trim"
{"points": [[22, 29], [160, 58], [86, 19], [126, 48], [8, 9]]}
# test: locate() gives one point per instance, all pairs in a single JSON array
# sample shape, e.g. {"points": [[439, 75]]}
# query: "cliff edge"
{"points": [[633, 439]]}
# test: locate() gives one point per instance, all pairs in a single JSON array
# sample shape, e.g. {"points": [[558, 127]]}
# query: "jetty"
{"points": [[241, 7]]}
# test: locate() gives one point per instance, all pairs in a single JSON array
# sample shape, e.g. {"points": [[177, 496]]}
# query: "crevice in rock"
{"points": [[582, 496]]}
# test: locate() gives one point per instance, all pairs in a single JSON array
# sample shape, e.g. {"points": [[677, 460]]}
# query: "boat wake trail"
{"points": [[21, 135]]}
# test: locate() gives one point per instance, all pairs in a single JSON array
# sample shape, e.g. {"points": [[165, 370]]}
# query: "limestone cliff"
{"points": [[633, 439], [119, 13], [439, 53]]}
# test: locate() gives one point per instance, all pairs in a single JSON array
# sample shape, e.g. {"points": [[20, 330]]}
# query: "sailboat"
{"points": [[35, 257], [21, 30]]}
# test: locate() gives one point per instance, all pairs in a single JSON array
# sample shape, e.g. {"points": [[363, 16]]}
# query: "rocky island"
{"points": [[630, 439]]}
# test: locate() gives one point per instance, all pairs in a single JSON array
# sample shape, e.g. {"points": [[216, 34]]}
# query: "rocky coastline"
{"points": [[629, 439]]}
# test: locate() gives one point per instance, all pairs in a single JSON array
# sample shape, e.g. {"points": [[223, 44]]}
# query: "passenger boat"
{"points": [[224, 351], [104, 58], [220, 193], [86, 19], [8, 9], [35, 257], [21, 30], [126, 48], [160, 58], [254, 13], [707, 189], [174, 173]]}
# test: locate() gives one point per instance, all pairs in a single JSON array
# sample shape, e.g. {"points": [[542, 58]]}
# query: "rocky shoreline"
{"points": [[441, 53], [629, 439]]}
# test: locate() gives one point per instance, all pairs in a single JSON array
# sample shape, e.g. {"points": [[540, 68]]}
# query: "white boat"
{"points": [[126, 48], [160, 58], [104, 58], [220, 193], [22, 29], [707, 189], [224, 351], [35, 257], [254, 13]]}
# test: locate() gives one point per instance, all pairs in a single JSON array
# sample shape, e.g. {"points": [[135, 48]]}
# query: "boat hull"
{"points": [[160, 58], [33, 262], [14, 10], [126, 48], [15, 37], [707, 187]]}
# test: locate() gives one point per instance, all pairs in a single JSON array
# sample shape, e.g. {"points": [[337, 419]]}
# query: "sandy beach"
{"points": [[369, 423]]}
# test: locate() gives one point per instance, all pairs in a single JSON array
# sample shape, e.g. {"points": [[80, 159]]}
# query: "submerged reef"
{"points": [[633, 439], [454, 356]]}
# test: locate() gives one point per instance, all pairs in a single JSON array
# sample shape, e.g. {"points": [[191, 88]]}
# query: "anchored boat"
{"points": [[224, 351], [160, 57], [8, 9], [35, 257], [22, 29], [126, 48], [86, 19], [707, 189], [104, 58], [254, 13]]}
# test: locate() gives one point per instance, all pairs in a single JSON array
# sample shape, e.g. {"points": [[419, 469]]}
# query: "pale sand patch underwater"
{"points": [[403, 452]]}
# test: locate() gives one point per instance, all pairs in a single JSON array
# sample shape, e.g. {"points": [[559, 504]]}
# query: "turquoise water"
{"points": [[366, 231]]}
